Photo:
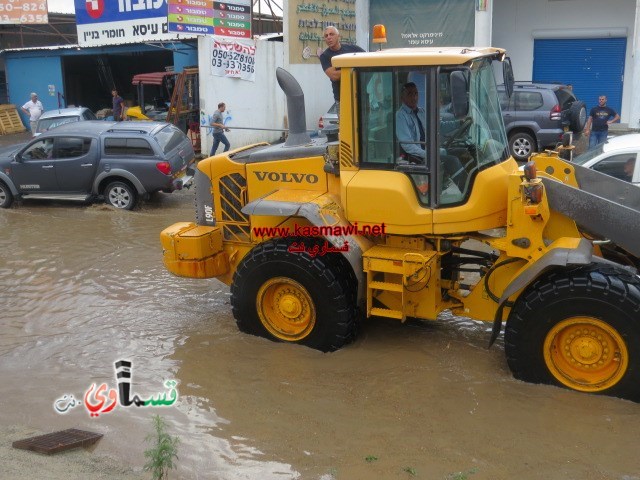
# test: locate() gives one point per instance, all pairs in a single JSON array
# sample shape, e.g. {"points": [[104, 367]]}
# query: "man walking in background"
{"points": [[118, 106], [217, 122], [598, 122]]}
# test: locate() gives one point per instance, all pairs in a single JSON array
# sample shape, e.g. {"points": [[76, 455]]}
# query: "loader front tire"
{"points": [[579, 329], [292, 297]]}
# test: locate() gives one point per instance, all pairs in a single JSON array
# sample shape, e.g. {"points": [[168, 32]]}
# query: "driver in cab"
{"points": [[410, 132], [410, 121]]}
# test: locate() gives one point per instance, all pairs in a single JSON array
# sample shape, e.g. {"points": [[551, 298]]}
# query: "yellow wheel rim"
{"points": [[586, 354], [285, 309]]}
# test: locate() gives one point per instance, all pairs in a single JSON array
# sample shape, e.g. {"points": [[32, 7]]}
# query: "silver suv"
{"points": [[537, 114]]}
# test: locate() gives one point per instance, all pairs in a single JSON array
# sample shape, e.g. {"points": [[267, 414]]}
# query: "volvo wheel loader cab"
{"points": [[417, 209]]}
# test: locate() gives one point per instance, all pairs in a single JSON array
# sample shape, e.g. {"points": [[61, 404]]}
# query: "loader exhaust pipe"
{"points": [[295, 109]]}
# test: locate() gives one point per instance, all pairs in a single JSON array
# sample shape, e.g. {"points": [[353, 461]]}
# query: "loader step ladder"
{"points": [[388, 269]]}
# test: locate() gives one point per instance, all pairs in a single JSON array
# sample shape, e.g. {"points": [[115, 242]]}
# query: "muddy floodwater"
{"points": [[82, 287]]}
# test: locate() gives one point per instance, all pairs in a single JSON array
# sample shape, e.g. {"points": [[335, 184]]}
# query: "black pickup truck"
{"points": [[119, 162]]}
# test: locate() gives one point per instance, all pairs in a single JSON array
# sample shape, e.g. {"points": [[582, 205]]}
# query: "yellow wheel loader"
{"points": [[404, 218]]}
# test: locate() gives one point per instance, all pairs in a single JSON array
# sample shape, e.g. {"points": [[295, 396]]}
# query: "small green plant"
{"points": [[164, 448], [410, 471], [371, 458], [461, 475]]}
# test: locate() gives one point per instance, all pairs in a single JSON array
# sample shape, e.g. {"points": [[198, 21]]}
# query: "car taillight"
{"points": [[555, 113], [164, 167], [320, 123]]}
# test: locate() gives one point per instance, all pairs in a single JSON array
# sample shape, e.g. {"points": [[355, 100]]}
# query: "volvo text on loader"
{"points": [[312, 235]]}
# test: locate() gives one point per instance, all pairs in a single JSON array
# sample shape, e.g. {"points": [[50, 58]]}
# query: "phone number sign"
{"points": [[208, 17], [235, 58], [23, 11]]}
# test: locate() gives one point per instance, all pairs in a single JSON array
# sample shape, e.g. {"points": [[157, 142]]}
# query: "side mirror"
{"points": [[507, 75], [459, 94]]}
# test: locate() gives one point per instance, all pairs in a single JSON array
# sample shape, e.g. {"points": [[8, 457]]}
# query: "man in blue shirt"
{"points": [[410, 122], [598, 122], [411, 134]]}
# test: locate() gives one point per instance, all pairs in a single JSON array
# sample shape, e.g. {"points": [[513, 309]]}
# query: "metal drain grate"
{"points": [[58, 441]]}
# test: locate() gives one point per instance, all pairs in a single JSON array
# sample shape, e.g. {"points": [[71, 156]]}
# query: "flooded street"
{"points": [[82, 287]]}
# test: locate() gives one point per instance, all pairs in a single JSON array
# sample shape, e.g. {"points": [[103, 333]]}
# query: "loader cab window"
{"points": [[439, 126], [377, 112], [395, 124], [471, 135]]}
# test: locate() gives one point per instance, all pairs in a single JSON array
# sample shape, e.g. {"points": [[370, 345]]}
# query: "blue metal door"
{"points": [[594, 66]]}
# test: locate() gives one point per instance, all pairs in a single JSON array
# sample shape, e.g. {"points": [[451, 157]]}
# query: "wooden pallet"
{"points": [[10, 120]]}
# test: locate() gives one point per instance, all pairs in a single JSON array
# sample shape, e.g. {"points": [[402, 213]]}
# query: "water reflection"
{"points": [[83, 286]]}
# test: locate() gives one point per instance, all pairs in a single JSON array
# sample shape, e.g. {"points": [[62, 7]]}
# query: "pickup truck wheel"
{"points": [[522, 145], [579, 330], [120, 195], [293, 297], [6, 198]]}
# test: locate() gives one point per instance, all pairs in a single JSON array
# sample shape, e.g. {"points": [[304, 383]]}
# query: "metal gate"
{"points": [[594, 66]]}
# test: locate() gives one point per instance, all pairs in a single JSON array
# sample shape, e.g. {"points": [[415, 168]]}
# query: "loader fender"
{"points": [[558, 257], [311, 211]]}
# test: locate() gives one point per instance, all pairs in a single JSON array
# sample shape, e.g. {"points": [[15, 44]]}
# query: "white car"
{"points": [[53, 118], [615, 157]]}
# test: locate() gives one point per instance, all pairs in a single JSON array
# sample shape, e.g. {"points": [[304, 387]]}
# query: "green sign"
{"points": [[425, 23]]}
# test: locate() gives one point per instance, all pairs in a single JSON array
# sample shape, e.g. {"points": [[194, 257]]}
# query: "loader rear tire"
{"points": [[292, 297], [579, 329]]}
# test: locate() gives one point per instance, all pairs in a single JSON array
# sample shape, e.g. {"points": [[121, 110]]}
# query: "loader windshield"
{"points": [[438, 125]]}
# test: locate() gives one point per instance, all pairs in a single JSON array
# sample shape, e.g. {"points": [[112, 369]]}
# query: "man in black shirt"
{"points": [[334, 47], [598, 122]]}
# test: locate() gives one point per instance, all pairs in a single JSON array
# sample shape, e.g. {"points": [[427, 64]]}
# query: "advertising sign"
{"points": [[23, 11], [426, 23], [309, 18], [110, 22], [234, 58], [207, 17]]}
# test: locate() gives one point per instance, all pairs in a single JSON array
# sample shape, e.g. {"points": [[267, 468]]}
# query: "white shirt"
{"points": [[35, 109]]}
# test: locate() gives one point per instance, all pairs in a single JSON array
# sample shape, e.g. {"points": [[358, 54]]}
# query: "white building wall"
{"points": [[516, 23], [258, 104]]}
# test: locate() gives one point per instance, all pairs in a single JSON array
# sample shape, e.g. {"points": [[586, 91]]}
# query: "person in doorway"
{"points": [[118, 106], [34, 109], [335, 47], [600, 118], [217, 122]]}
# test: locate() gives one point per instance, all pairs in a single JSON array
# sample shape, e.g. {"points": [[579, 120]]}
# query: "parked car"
{"points": [[119, 162], [328, 119], [616, 157], [537, 114], [55, 118]]}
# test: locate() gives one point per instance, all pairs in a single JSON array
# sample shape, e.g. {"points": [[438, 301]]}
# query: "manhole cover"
{"points": [[58, 441]]}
